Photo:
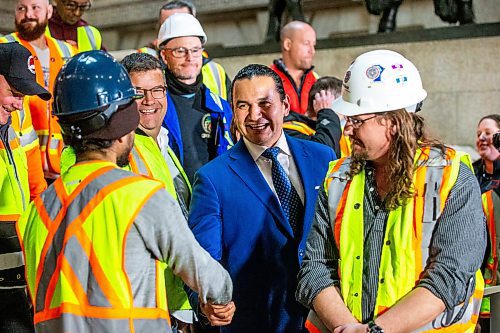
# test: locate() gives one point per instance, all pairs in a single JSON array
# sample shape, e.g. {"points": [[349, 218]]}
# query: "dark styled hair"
{"points": [[257, 70], [328, 83], [175, 4], [141, 62]]}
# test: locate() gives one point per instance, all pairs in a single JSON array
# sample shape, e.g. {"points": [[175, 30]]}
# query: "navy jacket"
{"points": [[237, 218]]}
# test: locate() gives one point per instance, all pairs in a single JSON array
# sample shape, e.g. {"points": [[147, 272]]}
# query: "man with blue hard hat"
{"points": [[96, 241]]}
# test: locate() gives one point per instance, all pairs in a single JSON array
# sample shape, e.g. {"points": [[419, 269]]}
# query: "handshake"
{"points": [[218, 314]]}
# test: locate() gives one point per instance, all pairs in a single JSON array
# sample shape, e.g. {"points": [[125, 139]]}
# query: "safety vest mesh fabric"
{"points": [[409, 229], [490, 271], [214, 77], [46, 125], [146, 159], [299, 127], [75, 263], [89, 38], [14, 194]]}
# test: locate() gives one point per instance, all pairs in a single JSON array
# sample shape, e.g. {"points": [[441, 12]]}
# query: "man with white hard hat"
{"points": [[197, 119], [399, 235]]}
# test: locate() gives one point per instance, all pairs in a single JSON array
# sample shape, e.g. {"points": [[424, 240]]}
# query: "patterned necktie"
{"points": [[287, 194]]}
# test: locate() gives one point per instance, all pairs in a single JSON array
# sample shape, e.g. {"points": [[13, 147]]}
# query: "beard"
{"points": [[122, 159], [31, 33]]}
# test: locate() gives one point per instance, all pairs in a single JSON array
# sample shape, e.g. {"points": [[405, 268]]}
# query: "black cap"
{"points": [[18, 67]]}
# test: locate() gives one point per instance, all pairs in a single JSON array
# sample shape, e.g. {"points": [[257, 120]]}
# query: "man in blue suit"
{"points": [[252, 207]]}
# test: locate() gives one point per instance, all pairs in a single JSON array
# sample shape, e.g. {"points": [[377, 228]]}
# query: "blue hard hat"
{"points": [[91, 84]]}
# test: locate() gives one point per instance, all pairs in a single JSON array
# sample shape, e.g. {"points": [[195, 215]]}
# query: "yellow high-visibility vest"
{"points": [[66, 222], [14, 187], [405, 231]]}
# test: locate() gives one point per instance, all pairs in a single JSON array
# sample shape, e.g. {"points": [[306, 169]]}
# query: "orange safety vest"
{"points": [[23, 126], [45, 124], [297, 103]]}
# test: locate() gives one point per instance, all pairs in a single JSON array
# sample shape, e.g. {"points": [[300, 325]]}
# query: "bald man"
{"points": [[298, 42]]}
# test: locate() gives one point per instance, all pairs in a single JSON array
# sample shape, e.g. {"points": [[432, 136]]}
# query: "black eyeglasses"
{"points": [[181, 52], [156, 92], [73, 6], [357, 123]]}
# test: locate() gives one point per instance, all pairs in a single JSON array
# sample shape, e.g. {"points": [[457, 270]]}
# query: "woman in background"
{"points": [[487, 170]]}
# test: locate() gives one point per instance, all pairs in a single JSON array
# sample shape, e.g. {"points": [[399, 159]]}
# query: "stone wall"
{"points": [[461, 76], [131, 23]]}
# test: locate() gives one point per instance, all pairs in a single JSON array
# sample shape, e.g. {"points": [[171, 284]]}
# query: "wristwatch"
{"points": [[374, 328]]}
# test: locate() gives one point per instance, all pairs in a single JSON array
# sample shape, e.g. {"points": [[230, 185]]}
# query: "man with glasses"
{"points": [[197, 119], [214, 75], [399, 234], [67, 24]]}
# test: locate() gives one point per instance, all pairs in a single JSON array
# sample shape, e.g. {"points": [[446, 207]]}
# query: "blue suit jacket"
{"points": [[237, 218]]}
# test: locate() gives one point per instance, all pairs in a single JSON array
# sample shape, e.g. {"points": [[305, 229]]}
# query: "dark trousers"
{"points": [[15, 312]]}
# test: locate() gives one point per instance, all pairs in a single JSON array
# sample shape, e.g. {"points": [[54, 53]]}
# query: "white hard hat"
{"points": [[380, 81], [181, 25]]}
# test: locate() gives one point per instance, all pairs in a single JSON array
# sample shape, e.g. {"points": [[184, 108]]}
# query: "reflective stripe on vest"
{"points": [[22, 124], [146, 159], [46, 125], [411, 226], [214, 77], [490, 271], [14, 194], [88, 38], [179, 167], [81, 273], [299, 127]]}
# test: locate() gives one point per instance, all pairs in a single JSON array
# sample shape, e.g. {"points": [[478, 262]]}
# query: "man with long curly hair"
{"points": [[399, 235]]}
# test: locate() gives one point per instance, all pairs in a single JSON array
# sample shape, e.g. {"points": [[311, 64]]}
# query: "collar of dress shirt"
{"points": [[162, 138], [256, 150]]}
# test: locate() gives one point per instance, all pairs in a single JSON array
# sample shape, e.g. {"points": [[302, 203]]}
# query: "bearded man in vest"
{"points": [[16, 81], [399, 234], [67, 24], [96, 241], [298, 43], [49, 55]]}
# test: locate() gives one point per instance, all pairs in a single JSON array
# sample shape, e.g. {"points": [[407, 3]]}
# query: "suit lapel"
{"points": [[247, 170], [304, 163]]}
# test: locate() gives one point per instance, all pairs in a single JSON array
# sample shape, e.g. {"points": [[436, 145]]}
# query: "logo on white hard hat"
{"points": [[374, 72], [31, 65]]}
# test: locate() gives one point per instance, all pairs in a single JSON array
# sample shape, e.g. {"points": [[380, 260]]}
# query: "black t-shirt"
{"points": [[195, 131]]}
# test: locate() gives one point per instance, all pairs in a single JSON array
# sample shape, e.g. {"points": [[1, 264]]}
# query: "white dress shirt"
{"points": [[286, 160]]}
